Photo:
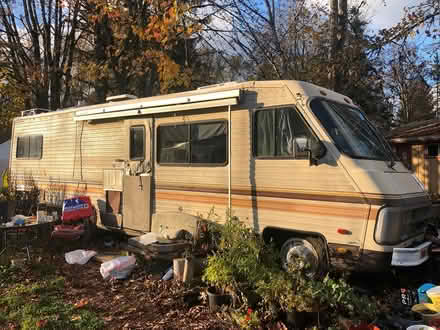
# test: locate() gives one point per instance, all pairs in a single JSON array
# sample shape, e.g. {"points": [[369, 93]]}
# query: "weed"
{"points": [[41, 305]]}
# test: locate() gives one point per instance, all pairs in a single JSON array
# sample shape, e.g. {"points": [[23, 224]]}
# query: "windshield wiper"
{"points": [[386, 146]]}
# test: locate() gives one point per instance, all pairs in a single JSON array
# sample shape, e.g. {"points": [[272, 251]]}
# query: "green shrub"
{"points": [[240, 259], [244, 265]]}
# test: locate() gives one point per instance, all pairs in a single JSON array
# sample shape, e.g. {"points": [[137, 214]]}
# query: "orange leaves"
{"points": [[41, 323], [145, 36], [80, 304]]}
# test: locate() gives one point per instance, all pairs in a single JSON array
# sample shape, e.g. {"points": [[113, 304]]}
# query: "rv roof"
{"points": [[306, 89]]}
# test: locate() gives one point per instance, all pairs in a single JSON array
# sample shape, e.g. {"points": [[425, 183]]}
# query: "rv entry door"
{"points": [[136, 204]]}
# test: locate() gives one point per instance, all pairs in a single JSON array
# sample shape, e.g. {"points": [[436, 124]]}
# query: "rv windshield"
{"points": [[352, 133]]}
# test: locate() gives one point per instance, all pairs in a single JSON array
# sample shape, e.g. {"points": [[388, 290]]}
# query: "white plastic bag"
{"points": [[118, 268], [79, 256]]}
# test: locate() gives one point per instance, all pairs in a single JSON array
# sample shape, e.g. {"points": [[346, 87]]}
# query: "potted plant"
{"points": [[240, 259], [8, 197]]}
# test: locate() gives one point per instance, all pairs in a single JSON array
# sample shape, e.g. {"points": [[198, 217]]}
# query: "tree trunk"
{"points": [[338, 22]]}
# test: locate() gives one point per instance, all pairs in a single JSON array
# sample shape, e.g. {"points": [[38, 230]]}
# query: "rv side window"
{"points": [[281, 133], [433, 150], [30, 146], [195, 143], [137, 142]]}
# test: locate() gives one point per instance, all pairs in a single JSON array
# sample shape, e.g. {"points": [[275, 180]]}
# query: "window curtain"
{"points": [[208, 143], [265, 137], [285, 132]]}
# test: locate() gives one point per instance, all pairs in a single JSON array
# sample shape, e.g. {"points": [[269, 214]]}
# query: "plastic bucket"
{"points": [[434, 295], [420, 327], [423, 297], [427, 311]]}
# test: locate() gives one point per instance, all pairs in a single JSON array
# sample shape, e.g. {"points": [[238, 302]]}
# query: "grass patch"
{"points": [[8, 275], [40, 305]]}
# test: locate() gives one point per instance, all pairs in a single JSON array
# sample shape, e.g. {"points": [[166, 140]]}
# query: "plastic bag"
{"points": [[118, 268], [79, 256]]}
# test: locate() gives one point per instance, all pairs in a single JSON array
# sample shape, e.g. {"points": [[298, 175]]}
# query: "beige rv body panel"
{"points": [[263, 190], [339, 199], [74, 154]]}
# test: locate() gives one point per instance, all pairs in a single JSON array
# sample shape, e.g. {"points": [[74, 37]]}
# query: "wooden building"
{"points": [[417, 145]]}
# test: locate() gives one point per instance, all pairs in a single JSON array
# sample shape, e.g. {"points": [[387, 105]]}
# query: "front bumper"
{"points": [[413, 256]]}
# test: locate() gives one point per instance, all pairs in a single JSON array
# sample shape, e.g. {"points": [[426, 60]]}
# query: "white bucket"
{"points": [[420, 327]]}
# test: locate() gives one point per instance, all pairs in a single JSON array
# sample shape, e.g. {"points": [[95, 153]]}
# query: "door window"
{"points": [[137, 143]]}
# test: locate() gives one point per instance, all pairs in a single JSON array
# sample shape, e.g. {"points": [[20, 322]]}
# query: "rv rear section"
{"points": [[299, 163]]}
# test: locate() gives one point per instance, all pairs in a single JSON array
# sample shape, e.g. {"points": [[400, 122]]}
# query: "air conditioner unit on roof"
{"points": [[32, 112], [123, 97]]}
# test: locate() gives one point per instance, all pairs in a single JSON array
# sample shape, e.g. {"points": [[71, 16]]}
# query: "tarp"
{"points": [[4, 155], [4, 162]]}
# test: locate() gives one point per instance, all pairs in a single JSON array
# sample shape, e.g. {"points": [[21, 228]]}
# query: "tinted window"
{"points": [[173, 144], [35, 146], [137, 142], [30, 146], [195, 143], [22, 145], [208, 143], [351, 131], [281, 133], [433, 150]]}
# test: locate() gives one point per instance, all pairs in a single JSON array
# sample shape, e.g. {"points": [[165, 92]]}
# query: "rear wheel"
{"points": [[306, 252]]}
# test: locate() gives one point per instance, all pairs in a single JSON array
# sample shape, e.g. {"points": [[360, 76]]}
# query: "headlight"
{"points": [[389, 226]]}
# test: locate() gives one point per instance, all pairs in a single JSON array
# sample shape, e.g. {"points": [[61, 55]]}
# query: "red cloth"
{"points": [[68, 231], [76, 208]]}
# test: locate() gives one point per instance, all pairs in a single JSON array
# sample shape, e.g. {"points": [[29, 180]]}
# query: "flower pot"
{"points": [[188, 270], [178, 268], [216, 299]]}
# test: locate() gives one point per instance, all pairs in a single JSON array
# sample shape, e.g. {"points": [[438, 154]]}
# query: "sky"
{"points": [[383, 13], [388, 14]]}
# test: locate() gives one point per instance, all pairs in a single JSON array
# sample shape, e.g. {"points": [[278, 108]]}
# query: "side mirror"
{"points": [[316, 152]]}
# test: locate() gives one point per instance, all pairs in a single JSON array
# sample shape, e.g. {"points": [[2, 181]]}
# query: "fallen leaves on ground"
{"points": [[140, 302]]}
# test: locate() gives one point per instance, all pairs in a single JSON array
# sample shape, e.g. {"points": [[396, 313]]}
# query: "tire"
{"points": [[312, 252]]}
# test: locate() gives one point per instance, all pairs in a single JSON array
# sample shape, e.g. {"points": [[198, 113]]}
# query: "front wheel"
{"points": [[307, 253]]}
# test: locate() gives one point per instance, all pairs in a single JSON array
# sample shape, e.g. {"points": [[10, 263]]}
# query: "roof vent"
{"points": [[32, 112], [123, 97]]}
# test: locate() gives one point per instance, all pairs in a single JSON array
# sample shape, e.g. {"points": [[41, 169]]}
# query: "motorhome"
{"points": [[300, 163]]}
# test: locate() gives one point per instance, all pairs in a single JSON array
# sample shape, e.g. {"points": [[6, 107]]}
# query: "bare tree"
{"points": [[407, 84], [37, 49]]}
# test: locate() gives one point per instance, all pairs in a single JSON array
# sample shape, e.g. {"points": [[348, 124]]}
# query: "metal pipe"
{"points": [[229, 159]]}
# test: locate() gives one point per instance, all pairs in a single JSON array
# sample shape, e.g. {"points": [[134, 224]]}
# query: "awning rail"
{"points": [[183, 103]]}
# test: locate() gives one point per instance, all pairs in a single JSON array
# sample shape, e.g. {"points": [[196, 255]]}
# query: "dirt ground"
{"points": [[142, 301]]}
